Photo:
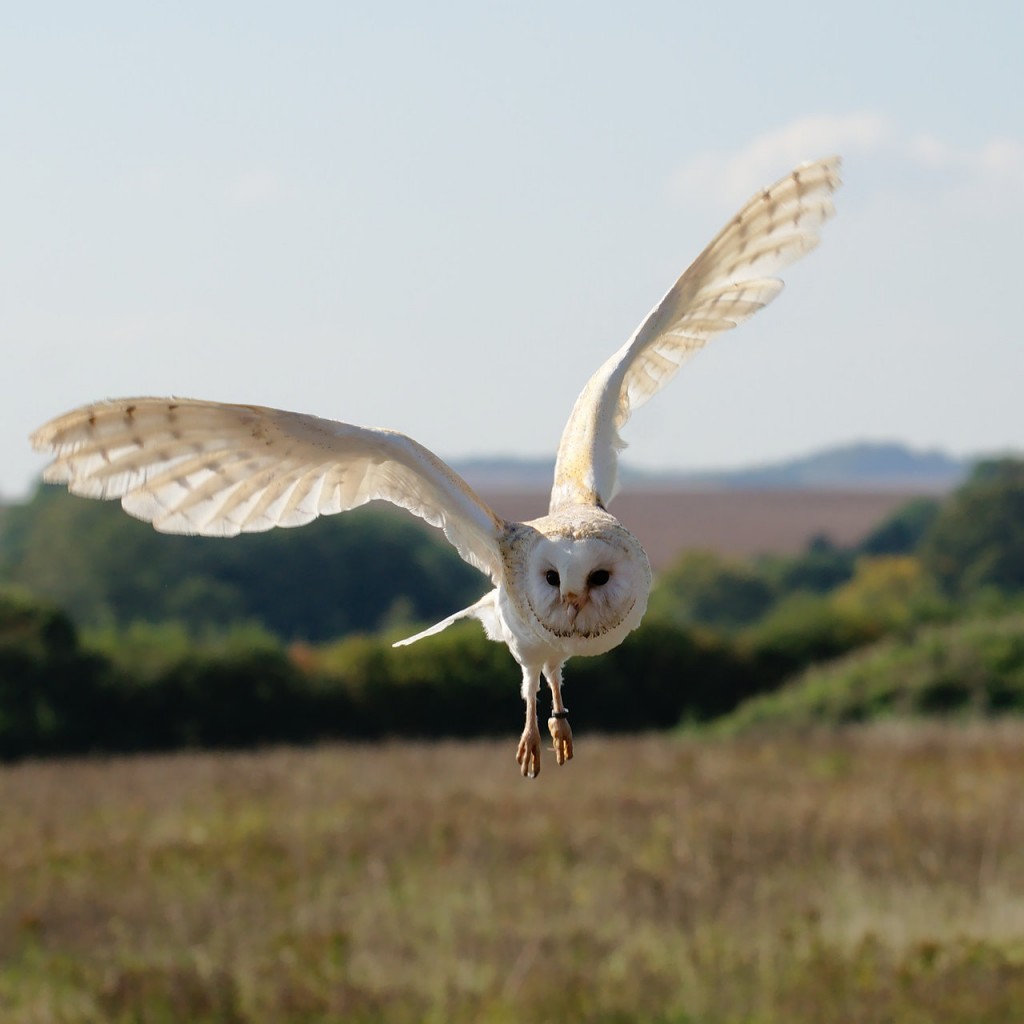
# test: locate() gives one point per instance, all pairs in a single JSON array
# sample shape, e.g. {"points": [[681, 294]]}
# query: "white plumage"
{"points": [[574, 582]]}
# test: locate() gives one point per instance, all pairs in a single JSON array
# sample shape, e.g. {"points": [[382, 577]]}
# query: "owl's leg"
{"points": [[558, 723], [528, 754]]}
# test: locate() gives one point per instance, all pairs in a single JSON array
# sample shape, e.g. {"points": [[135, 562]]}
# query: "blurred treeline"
{"points": [[114, 638]]}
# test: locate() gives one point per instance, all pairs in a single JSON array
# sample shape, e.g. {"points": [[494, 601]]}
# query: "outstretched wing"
{"points": [[727, 283], [219, 470]]}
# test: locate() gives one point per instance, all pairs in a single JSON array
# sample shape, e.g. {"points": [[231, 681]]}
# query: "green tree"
{"points": [[977, 539], [706, 589], [892, 591], [903, 531], [336, 575], [818, 569]]}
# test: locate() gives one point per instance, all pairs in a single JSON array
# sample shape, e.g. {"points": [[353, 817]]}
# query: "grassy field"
{"points": [[872, 876]]}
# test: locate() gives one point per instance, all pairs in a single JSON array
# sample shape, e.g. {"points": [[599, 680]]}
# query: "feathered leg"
{"points": [[528, 754], [558, 723]]}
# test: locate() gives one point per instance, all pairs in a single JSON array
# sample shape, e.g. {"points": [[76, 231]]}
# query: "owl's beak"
{"points": [[573, 604]]}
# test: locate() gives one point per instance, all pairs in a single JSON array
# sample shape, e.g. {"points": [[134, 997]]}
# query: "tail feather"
{"points": [[486, 610]]}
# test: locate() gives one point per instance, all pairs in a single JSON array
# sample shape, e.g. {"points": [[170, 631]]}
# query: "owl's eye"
{"points": [[552, 577], [598, 578]]}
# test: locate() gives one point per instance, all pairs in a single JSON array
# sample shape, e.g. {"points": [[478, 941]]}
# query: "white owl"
{"points": [[574, 582]]}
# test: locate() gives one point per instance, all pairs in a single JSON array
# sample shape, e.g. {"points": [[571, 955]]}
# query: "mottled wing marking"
{"points": [[218, 470], [729, 282]]}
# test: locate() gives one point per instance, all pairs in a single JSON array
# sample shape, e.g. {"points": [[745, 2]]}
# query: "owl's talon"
{"points": [[561, 735], [528, 754]]}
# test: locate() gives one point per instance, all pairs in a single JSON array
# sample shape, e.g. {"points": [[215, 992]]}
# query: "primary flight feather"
{"points": [[574, 582]]}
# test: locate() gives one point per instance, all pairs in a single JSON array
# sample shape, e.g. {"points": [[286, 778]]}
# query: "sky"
{"points": [[441, 218]]}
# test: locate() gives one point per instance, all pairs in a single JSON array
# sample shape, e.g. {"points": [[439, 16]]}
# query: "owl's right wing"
{"points": [[218, 470], [728, 282]]}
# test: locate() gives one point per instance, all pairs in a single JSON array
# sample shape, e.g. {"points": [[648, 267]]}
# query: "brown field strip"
{"points": [[732, 522]]}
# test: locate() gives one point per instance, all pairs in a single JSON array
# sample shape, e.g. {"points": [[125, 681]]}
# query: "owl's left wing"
{"points": [[218, 470], [727, 283]]}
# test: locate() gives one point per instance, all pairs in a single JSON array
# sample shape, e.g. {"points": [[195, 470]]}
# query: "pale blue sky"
{"points": [[442, 218]]}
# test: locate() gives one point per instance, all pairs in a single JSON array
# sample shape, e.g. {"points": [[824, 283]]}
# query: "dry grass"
{"points": [[874, 876]]}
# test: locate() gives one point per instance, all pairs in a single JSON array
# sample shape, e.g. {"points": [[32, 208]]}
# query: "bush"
{"points": [[966, 668], [151, 688], [51, 692], [461, 683]]}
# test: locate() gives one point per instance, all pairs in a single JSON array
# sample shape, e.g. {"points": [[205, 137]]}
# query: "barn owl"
{"points": [[574, 582]]}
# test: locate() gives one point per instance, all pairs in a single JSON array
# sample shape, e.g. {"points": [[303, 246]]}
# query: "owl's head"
{"points": [[588, 587]]}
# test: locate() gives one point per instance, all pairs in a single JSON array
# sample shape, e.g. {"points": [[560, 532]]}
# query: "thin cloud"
{"points": [[255, 188], [722, 176], [997, 162]]}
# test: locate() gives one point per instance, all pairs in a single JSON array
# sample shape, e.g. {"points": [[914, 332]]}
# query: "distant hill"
{"points": [[506, 473], [862, 466], [869, 466]]}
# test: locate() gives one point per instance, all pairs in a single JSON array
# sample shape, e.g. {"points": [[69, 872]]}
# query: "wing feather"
{"points": [[218, 470], [728, 282]]}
